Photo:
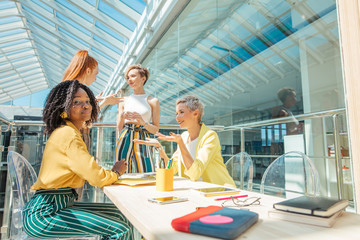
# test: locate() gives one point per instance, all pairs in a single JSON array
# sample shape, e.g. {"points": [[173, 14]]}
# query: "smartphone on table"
{"points": [[166, 200], [217, 191]]}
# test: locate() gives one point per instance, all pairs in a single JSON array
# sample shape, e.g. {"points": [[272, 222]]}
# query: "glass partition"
{"points": [[237, 55], [252, 61], [263, 141]]}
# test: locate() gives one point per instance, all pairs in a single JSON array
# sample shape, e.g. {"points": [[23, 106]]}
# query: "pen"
{"points": [[226, 198], [169, 163], [162, 163]]}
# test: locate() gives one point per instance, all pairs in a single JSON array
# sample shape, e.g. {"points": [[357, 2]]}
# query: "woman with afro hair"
{"points": [[66, 164]]}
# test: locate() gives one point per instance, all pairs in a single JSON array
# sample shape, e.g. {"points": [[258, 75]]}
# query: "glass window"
{"points": [[267, 68]]}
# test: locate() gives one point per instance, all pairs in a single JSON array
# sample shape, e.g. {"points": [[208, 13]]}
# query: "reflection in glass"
{"points": [[236, 55]]}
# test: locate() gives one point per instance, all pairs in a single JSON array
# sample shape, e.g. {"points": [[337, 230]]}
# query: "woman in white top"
{"points": [[139, 115]]}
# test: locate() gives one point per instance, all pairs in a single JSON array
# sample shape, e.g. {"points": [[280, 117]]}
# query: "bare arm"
{"points": [[188, 160], [120, 117], [111, 99], [283, 113], [155, 143], [155, 111]]}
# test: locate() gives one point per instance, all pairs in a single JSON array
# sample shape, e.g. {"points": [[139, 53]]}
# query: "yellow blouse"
{"points": [[208, 163], [67, 163]]}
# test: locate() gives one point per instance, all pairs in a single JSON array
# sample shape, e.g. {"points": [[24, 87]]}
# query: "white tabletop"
{"points": [[153, 220]]}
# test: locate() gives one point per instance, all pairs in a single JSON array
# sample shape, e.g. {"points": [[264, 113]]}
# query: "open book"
{"points": [[303, 218], [136, 179], [317, 206]]}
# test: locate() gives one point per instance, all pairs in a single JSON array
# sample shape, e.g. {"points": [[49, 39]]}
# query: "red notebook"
{"points": [[215, 221]]}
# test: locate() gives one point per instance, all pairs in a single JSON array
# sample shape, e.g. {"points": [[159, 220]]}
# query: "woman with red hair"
{"points": [[84, 68]]}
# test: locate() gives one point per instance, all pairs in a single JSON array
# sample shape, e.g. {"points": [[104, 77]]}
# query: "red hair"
{"points": [[78, 65]]}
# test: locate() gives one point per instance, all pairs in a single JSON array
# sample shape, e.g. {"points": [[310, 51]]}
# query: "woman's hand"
{"points": [[99, 97], [148, 141], [120, 167], [153, 142], [109, 99], [172, 138], [134, 117]]}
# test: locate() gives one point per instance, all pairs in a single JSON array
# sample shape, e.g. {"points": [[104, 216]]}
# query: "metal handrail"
{"points": [[299, 117], [98, 124], [330, 113], [4, 120]]}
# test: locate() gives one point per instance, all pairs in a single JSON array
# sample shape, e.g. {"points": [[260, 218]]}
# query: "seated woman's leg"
{"points": [[53, 214], [112, 211], [109, 226], [108, 209]]}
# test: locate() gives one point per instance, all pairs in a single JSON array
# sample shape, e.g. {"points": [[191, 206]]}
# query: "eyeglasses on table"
{"points": [[234, 202]]}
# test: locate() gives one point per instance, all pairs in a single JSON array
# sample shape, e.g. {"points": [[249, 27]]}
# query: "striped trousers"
{"points": [[52, 213], [138, 156]]}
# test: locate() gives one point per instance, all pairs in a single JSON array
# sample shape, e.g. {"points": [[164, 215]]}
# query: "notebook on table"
{"points": [[145, 175], [215, 221], [303, 218], [316, 206]]}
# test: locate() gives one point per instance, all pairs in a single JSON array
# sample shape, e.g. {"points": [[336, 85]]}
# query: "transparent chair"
{"points": [[290, 175], [241, 169], [22, 177]]}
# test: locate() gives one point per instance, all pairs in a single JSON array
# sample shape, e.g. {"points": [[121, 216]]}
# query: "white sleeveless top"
{"points": [[138, 103]]}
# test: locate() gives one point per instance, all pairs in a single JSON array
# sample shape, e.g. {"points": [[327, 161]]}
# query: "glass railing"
{"points": [[323, 137]]}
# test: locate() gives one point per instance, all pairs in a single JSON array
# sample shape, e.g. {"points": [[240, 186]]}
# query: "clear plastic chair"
{"points": [[292, 174], [241, 169], [22, 177]]}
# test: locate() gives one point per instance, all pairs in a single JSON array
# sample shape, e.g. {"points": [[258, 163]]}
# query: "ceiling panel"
{"points": [[39, 37]]}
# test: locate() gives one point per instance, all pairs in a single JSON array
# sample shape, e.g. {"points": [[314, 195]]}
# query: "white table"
{"points": [[154, 220]]}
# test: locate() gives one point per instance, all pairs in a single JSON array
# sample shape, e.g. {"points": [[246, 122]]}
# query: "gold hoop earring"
{"points": [[63, 115]]}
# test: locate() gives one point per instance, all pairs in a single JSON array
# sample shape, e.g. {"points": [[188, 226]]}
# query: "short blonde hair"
{"points": [[143, 71], [193, 103]]}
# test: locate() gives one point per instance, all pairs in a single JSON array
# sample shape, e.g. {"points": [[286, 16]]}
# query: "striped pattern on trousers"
{"points": [[52, 213], [138, 156]]}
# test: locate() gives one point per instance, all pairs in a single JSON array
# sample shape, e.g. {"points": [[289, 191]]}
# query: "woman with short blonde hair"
{"points": [[198, 155]]}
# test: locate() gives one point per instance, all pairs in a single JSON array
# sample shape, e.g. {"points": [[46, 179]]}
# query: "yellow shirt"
{"points": [[67, 163], [208, 163]]}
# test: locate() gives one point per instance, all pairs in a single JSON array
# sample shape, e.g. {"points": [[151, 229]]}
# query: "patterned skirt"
{"points": [[138, 156]]}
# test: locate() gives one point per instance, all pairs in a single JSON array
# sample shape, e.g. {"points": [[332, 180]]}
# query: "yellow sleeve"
{"points": [[84, 165], [206, 153]]}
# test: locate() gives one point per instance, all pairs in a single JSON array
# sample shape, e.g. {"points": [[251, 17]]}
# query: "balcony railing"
{"points": [[28, 135]]}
